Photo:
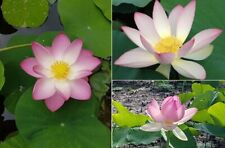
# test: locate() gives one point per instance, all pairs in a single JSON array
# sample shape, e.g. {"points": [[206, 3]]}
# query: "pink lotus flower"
{"points": [[161, 40], [62, 71], [167, 117]]}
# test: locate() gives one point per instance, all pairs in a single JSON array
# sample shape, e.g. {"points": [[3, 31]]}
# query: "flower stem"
{"points": [[168, 134], [15, 46]]}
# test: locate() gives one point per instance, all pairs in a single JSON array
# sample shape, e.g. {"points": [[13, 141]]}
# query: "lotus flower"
{"points": [[161, 41], [167, 117], [61, 70]]}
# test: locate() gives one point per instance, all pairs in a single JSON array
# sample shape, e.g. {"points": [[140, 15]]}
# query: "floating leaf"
{"points": [[11, 59], [25, 13], [214, 65], [119, 136], [124, 9], [16, 141], [47, 38], [124, 118], [75, 122], [137, 136], [123, 136], [105, 6], [139, 3], [86, 22]]}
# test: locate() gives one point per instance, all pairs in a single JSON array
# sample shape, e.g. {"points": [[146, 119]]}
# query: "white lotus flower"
{"points": [[161, 41]]}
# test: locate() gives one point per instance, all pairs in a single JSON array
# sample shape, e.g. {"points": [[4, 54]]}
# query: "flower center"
{"points": [[168, 45], [60, 69]]}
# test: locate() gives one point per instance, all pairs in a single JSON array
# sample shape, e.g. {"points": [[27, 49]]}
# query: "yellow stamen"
{"points": [[60, 69], [168, 45]]}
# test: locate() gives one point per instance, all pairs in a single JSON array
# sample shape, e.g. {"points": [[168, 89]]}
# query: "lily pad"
{"points": [[16, 141], [81, 18], [25, 13], [124, 136], [214, 65], [75, 123], [47, 38], [105, 6], [16, 78], [139, 3]]}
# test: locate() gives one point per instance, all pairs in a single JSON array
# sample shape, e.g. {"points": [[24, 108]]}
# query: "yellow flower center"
{"points": [[168, 45], [60, 69]]}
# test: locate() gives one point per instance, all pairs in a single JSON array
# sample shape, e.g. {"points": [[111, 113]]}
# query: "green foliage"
{"points": [[16, 141], [124, 9], [12, 59], [15, 85], [12, 99], [198, 88], [203, 116], [214, 65], [124, 118], [217, 110], [211, 129], [25, 13], [99, 83], [87, 23], [137, 136], [209, 102], [123, 136], [76, 122], [185, 97], [210, 117], [119, 136], [176, 143], [105, 6], [139, 3], [203, 101], [46, 38], [101, 80], [203, 95]]}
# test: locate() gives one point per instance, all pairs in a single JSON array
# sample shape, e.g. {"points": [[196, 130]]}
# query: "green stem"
{"points": [[15, 46], [168, 134]]}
